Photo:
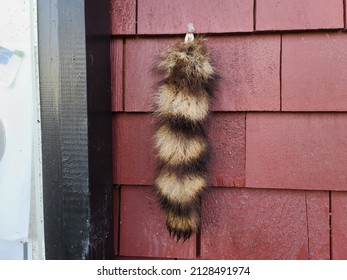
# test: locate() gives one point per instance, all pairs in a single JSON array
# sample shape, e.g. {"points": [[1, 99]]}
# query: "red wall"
{"points": [[279, 128]]}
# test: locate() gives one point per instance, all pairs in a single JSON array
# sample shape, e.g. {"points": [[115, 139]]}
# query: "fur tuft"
{"points": [[182, 107]]}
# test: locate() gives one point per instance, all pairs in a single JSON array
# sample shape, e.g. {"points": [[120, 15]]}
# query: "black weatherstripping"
{"points": [[76, 128]]}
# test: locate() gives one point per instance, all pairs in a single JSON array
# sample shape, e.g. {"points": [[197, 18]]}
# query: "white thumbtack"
{"points": [[190, 35], [191, 28]]}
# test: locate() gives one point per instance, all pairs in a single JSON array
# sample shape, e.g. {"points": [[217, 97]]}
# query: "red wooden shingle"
{"points": [[314, 67], [228, 140], [299, 14], [339, 225], [116, 207], [318, 219], [254, 224], [143, 231], [248, 66], [123, 17], [297, 151], [117, 74], [134, 158], [172, 17]]}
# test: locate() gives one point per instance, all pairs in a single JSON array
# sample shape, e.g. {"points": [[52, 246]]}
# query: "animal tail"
{"points": [[182, 108]]}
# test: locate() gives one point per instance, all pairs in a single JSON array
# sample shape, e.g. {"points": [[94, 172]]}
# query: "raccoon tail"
{"points": [[181, 108]]}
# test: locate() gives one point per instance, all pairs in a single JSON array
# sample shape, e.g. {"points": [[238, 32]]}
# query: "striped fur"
{"points": [[182, 107]]}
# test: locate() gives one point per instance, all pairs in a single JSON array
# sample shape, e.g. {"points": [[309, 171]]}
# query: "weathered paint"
{"points": [[116, 210], [299, 14], [172, 17], [249, 69], [227, 136], [296, 151], [123, 17], [318, 224], [314, 67], [143, 231], [254, 224], [117, 75], [134, 160], [339, 225]]}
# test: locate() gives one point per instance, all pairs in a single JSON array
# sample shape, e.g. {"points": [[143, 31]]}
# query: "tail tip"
{"points": [[179, 235]]}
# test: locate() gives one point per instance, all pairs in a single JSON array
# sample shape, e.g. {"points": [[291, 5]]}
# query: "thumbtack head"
{"points": [[191, 28]]}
